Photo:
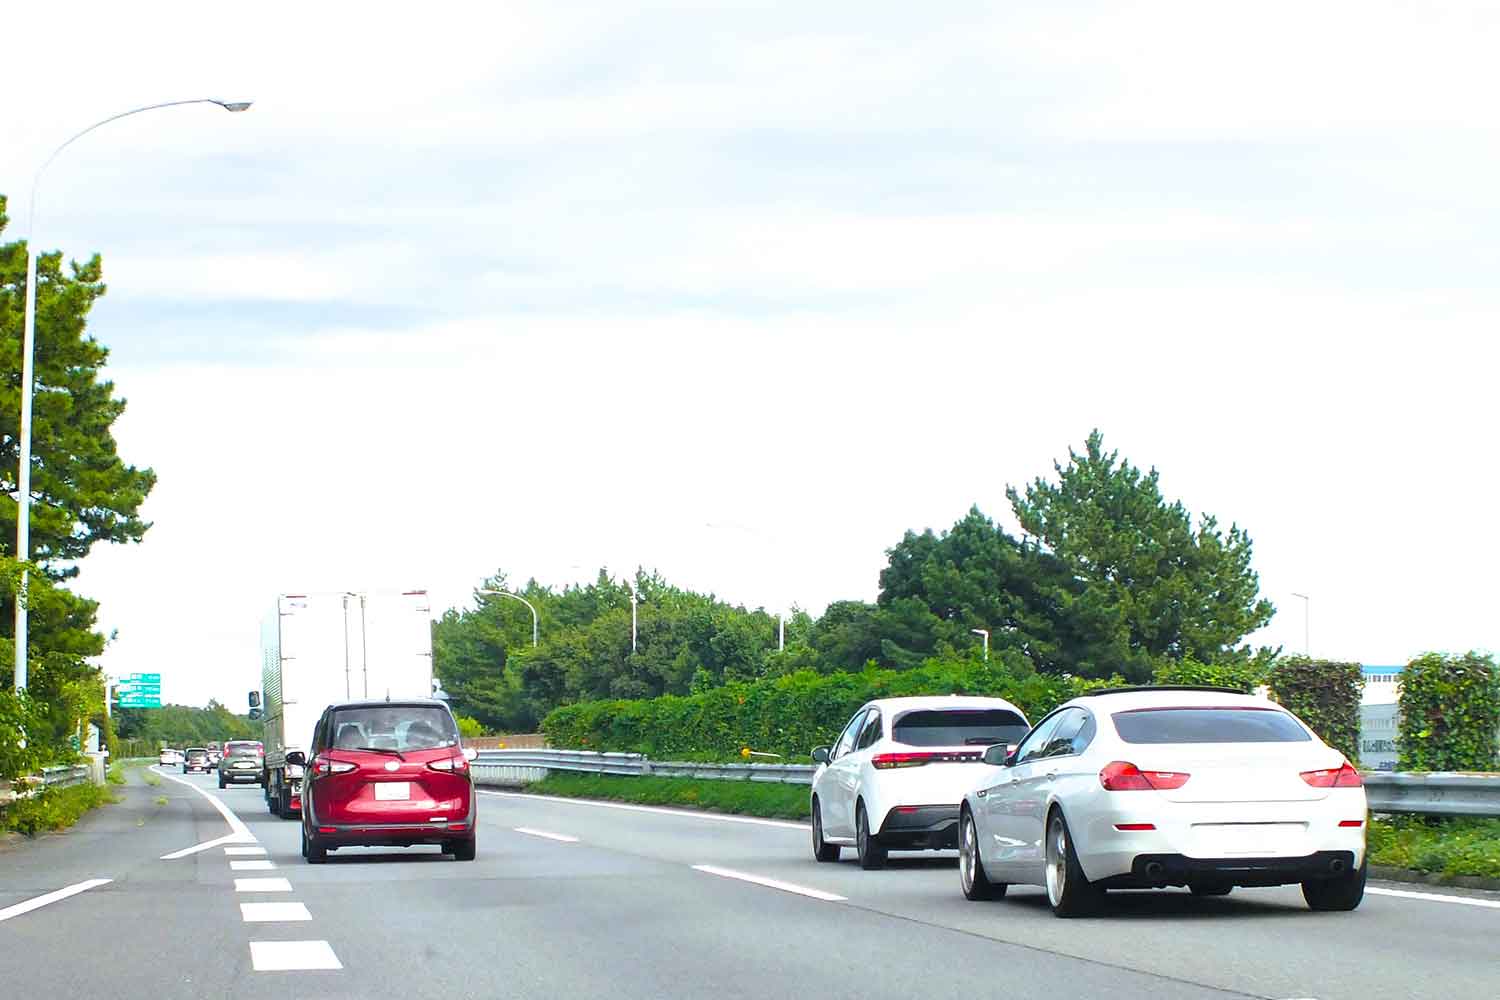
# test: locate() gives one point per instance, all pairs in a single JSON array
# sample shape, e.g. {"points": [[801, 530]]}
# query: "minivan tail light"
{"points": [[323, 765], [459, 763], [1334, 777], [1123, 776]]}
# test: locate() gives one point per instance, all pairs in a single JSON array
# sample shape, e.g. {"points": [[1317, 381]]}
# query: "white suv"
{"points": [[896, 776]]}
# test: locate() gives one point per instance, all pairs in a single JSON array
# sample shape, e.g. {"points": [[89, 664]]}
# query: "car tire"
{"points": [[872, 853], [314, 852], [1210, 888], [1069, 891], [464, 850], [971, 875], [284, 803], [1341, 893], [822, 851], [221, 781]]}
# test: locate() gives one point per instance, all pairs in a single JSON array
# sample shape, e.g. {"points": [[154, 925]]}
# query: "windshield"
{"points": [[392, 727], [958, 727], [1208, 725], [242, 750]]}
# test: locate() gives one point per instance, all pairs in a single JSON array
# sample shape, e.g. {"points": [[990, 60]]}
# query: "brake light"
{"points": [[324, 765], [459, 763], [1134, 827], [885, 761], [1123, 776], [1334, 777], [1351, 822]]}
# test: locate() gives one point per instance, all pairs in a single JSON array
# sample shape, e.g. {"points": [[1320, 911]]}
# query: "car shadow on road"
{"points": [[347, 856], [1159, 904], [920, 862]]}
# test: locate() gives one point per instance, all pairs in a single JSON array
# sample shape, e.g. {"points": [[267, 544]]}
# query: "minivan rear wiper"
{"points": [[383, 750]]}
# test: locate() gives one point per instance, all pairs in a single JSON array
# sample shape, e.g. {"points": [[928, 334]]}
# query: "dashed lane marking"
{"points": [[37, 902], [245, 852], [680, 813], [283, 956], [268, 913], [560, 837], [770, 883], [1433, 897], [262, 885], [251, 866]]}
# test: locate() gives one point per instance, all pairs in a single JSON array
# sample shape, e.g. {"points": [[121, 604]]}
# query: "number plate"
{"points": [[393, 791], [1248, 839]]}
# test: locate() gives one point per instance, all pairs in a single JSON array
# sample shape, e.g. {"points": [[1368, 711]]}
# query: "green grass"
{"points": [[748, 798], [1457, 846], [56, 809], [116, 774], [152, 778]]}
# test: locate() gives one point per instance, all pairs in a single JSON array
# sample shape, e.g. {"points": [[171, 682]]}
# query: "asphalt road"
{"points": [[603, 900]]}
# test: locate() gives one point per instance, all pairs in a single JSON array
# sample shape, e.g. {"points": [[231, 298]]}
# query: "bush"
{"points": [[54, 809], [1444, 846], [1450, 709], [1244, 675], [18, 714], [469, 728], [788, 715], [1323, 694], [750, 798]]}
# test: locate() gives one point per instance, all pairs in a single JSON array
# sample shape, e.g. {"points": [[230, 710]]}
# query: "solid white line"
{"points": [[262, 885], [770, 883], [251, 866], [239, 833], [245, 852], [37, 902], [280, 956], [562, 837], [228, 838], [1433, 897], [681, 813], [266, 913]]}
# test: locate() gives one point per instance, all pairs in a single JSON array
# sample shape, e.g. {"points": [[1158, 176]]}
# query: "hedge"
{"points": [[1450, 708], [1325, 695], [1243, 676], [788, 715]]}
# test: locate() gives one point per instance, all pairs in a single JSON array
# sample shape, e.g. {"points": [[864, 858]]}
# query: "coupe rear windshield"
{"points": [[392, 727], [956, 727], [1208, 725]]}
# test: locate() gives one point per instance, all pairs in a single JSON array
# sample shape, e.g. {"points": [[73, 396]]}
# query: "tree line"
{"points": [[1105, 578]]}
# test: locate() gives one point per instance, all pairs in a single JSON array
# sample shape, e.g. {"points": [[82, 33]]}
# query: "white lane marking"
{"points": [[562, 837], [262, 885], [683, 813], [239, 833], [770, 883], [228, 838], [245, 852], [1433, 897], [251, 866], [37, 902], [266, 913], [281, 956]]}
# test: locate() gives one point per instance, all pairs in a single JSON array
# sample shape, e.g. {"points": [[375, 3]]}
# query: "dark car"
{"points": [[243, 760], [195, 759], [390, 774]]}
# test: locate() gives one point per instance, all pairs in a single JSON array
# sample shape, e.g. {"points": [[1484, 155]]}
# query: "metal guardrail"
{"points": [[1435, 793], [1432, 794], [51, 777]]}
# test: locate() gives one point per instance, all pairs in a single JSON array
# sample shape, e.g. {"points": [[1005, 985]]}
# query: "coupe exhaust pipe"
{"points": [[1336, 866], [1154, 869]]}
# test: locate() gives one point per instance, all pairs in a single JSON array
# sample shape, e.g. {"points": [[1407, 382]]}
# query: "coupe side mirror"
{"points": [[297, 757], [997, 755], [820, 755]]}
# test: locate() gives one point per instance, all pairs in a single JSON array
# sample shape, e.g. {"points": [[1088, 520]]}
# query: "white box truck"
{"points": [[318, 649]]}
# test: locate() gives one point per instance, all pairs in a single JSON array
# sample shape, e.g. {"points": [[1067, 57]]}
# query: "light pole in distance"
{"points": [[534, 627], [1306, 624], [984, 633]]}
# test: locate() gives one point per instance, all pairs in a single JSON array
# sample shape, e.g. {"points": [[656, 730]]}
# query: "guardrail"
{"points": [[1433, 794], [51, 777]]}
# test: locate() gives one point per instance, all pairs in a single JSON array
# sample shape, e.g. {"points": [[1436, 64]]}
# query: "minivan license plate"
{"points": [[393, 791]]}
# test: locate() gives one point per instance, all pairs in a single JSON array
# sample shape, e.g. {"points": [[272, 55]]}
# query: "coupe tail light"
{"points": [[1123, 776], [459, 763], [1334, 777], [885, 761], [322, 765]]}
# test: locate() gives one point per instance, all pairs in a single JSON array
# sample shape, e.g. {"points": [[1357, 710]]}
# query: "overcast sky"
{"points": [[548, 286]]}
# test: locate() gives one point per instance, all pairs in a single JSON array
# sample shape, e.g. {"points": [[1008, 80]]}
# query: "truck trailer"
{"points": [[318, 649]]}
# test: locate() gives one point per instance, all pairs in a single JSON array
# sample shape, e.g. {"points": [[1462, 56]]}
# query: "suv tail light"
{"points": [[885, 761], [1334, 777], [459, 763], [1123, 776], [323, 765]]}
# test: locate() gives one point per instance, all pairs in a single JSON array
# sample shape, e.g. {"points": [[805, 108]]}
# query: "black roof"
{"points": [[1164, 687]]}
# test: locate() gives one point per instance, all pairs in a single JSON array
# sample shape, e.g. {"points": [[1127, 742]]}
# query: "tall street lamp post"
{"points": [[985, 634], [534, 630], [28, 351], [1306, 624]]}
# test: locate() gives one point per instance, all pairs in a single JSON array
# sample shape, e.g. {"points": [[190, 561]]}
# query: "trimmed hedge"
{"points": [[1243, 676], [1325, 695], [1450, 709], [788, 715]]}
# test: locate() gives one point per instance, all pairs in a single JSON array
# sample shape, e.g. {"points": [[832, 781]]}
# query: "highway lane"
{"points": [[624, 911]]}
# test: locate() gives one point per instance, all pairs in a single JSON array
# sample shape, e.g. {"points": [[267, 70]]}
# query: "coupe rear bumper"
{"points": [[1151, 871]]}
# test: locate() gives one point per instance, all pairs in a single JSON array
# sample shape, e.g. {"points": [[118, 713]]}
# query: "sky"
{"points": [[741, 292]]}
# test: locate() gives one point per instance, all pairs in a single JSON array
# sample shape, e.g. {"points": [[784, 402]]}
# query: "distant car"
{"points": [[168, 756], [243, 760], [1154, 787], [195, 759], [895, 778], [214, 756], [387, 774]]}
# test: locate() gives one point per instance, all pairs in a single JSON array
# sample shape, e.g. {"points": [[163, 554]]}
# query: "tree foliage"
{"points": [[184, 725], [1323, 694], [1450, 711]]}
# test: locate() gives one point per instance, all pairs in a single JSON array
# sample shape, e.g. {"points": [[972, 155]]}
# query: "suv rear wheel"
{"points": [[872, 853], [314, 852], [821, 850], [462, 850], [1343, 892]]}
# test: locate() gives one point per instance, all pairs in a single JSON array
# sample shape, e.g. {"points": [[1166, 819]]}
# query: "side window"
{"points": [[1085, 734], [1034, 744], [320, 735], [871, 732], [1070, 724], [846, 739]]}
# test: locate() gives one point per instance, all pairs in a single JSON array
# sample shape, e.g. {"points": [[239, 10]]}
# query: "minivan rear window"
{"points": [[956, 727], [392, 727], [1208, 725]]}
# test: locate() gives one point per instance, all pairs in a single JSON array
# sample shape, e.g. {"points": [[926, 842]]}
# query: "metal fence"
{"points": [[51, 777], [1435, 794]]}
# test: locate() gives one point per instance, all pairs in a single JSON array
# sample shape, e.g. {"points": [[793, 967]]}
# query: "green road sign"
{"points": [[133, 701]]}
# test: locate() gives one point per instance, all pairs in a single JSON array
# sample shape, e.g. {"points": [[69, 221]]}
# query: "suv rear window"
{"points": [[1208, 725], [242, 750], [954, 727], [392, 727]]}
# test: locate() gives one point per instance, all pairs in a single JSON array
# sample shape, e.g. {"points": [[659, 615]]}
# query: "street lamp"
{"points": [[506, 593], [1306, 624], [986, 634], [28, 350]]}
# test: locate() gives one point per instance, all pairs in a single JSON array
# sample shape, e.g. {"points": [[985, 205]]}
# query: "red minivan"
{"points": [[387, 773]]}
